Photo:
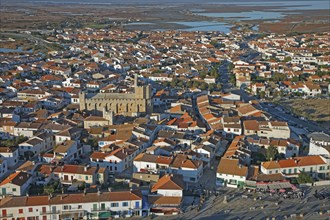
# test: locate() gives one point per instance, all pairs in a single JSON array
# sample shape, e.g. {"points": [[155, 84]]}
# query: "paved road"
{"points": [[282, 115], [240, 208], [277, 114]]}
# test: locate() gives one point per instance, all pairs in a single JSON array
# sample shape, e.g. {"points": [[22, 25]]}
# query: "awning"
{"points": [[104, 214]]}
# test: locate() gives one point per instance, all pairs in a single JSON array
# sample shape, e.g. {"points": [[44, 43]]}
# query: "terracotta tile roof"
{"points": [[294, 162], [98, 155], [46, 169], [251, 125], [165, 200], [76, 169], [246, 109], [310, 160], [153, 158], [279, 123], [181, 160], [18, 178], [271, 165], [169, 182], [232, 167], [25, 201]]}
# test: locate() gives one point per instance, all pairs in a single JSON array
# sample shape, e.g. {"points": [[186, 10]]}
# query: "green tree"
{"points": [[232, 79], [174, 82], [204, 86], [214, 43], [287, 59], [82, 186], [260, 157], [295, 79], [20, 139], [93, 143], [203, 75], [49, 189], [304, 178], [180, 84], [14, 142], [196, 84], [231, 67], [189, 84], [262, 94], [212, 87], [272, 153], [278, 77]]}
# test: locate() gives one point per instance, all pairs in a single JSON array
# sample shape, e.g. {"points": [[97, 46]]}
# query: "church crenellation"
{"points": [[127, 104]]}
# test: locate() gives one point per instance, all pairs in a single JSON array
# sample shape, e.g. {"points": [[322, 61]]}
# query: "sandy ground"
{"points": [[314, 109]]}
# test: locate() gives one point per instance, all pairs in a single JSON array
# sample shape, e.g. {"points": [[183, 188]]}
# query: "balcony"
{"points": [[50, 213], [6, 216], [100, 210], [72, 211]]}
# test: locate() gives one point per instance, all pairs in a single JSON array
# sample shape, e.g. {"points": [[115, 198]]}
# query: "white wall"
{"points": [[138, 165], [168, 192], [228, 178], [314, 149]]}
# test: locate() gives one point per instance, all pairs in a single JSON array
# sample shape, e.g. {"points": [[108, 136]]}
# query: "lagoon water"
{"points": [[251, 15], [206, 26], [271, 14], [18, 50], [298, 4], [190, 26]]}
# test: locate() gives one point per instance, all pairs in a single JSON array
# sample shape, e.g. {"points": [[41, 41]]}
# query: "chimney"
{"points": [[98, 192], [85, 168], [109, 189], [85, 192]]}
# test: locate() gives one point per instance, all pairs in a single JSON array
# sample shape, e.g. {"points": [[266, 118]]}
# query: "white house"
{"points": [[33, 146], [3, 167], [67, 134], [16, 184], [149, 162], [319, 144], [88, 174], [116, 161], [37, 144], [231, 173], [169, 185], [190, 169], [27, 129], [10, 154], [314, 165], [74, 206], [67, 151], [286, 147]]}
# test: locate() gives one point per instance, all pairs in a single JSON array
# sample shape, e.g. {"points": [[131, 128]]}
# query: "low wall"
{"points": [[318, 183]]}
